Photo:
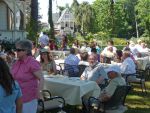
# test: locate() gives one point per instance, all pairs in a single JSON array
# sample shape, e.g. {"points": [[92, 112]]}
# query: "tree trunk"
{"points": [[34, 16], [50, 20]]}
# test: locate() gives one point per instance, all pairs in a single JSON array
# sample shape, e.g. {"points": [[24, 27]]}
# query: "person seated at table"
{"points": [[94, 51], [95, 71], [134, 50], [110, 43], [84, 58], [128, 66], [118, 56], [72, 60], [47, 62], [144, 49], [114, 74], [107, 55]]}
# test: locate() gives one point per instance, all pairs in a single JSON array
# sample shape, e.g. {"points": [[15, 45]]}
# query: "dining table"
{"points": [[72, 89]]}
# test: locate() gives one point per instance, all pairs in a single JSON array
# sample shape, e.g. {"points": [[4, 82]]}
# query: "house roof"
{"points": [[55, 17], [63, 15]]}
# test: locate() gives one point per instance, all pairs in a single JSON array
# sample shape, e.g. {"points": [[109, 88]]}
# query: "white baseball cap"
{"points": [[114, 68]]}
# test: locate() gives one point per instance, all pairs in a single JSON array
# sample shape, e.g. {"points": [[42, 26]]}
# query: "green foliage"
{"points": [[79, 37], [119, 41], [84, 16], [143, 9], [32, 34]]}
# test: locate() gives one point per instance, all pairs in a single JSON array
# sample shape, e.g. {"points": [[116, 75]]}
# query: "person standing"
{"points": [[10, 92], [27, 71]]}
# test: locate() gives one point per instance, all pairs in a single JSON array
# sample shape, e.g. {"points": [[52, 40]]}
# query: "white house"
{"points": [[12, 20], [65, 23]]}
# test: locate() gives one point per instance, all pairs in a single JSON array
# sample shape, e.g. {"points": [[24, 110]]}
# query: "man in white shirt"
{"points": [[44, 40], [134, 49], [128, 67]]}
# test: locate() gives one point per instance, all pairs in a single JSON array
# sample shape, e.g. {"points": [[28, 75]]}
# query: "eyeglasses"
{"points": [[18, 49]]}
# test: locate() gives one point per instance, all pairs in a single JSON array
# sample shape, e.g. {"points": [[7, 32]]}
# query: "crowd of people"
{"points": [[21, 71]]}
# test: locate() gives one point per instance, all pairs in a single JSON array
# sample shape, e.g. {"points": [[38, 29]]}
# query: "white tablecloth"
{"points": [[59, 61], [143, 62], [71, 89]]}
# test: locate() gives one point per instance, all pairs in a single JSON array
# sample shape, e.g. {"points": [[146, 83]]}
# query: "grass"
{"points": [[136, 101]]}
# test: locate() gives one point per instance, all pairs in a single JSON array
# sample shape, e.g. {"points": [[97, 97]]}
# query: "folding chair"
{"points": [[139, 75], [50, 103], [95, 105], [81, 69]]}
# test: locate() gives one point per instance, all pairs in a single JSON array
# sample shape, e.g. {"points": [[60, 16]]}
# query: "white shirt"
{"points": [[138, 47], [134, 51], [128, 66], [44, 40], [106, 49]]}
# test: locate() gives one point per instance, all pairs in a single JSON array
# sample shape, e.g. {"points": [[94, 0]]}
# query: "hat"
{"points": [[44, 50], [83, 50], [114, 68]]}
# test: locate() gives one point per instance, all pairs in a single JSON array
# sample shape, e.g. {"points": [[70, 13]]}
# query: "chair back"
{"points": [[118, 97], [81, 69], [70, 69]]}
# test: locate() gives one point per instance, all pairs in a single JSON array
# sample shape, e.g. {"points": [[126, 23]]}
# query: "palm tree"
{"points": [[76, 13], [87, 15]]}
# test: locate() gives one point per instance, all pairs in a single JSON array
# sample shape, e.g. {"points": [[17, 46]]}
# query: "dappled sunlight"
{"points": [[137, 101], [135, 97]]}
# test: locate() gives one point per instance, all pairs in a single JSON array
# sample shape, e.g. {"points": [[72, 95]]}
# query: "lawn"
{"points": [[137, 101]]}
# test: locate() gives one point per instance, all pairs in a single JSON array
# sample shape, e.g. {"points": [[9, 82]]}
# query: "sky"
{"points": [[43, 5]]}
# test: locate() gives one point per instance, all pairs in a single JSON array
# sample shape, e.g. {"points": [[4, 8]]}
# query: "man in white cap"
{"points": [[116, 79]]}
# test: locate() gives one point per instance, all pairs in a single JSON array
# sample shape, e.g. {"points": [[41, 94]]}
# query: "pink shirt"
{"points": [[22, 71]]}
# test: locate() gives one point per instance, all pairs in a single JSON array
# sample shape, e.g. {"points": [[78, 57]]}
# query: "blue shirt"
{"points": [[8, 103], [73, 60]]}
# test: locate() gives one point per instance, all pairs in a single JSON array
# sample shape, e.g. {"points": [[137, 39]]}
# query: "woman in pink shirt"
{"points": [[27, 72]]}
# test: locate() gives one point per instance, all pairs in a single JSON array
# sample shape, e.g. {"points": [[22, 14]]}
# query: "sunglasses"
{"points": [[18, 49]]}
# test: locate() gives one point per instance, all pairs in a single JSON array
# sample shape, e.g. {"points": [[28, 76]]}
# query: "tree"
{"points": [[76, 14], [143, 10], [83, 14], [87, 16], [32, 27], [117, 18], [50, 20]]}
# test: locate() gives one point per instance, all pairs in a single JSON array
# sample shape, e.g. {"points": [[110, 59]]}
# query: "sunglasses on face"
{"points": [[18, 49]]}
